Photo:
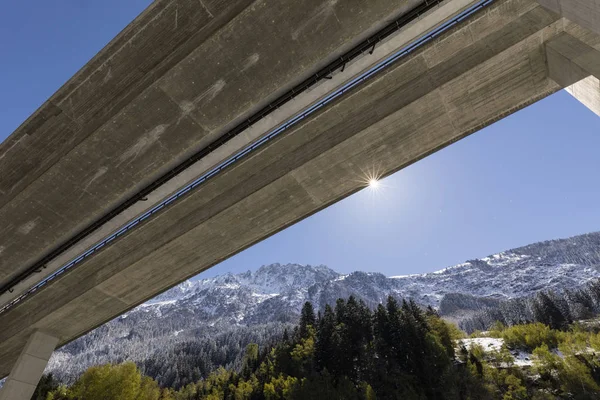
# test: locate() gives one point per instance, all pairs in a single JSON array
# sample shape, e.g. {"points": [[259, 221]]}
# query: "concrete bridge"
{"points": [[194, 92]]}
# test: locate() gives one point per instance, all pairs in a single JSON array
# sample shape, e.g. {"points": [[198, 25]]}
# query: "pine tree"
{"points": [[46, 385], [593, 289], [307, 318], [546, 311], [250, 362], [324, 342]]}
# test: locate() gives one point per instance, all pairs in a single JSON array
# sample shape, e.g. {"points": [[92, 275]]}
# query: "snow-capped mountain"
{"points": [[275, 293], [555, 264], [549, 265]]}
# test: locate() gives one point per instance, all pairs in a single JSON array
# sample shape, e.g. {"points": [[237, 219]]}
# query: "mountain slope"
{"points": [[212, 315]]}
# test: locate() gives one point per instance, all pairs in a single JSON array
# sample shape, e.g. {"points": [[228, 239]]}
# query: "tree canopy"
{"points": [[396, 351]]}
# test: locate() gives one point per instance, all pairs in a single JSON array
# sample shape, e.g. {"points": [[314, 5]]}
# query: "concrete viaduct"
{"points": [[193, 91]]}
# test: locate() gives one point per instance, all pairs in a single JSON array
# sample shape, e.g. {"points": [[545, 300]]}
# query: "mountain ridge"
{"points": [[270, 298]]}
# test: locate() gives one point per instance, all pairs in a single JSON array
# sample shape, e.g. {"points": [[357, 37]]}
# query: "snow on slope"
{"points": [[503, 275], [275, 293], [520, 358]]}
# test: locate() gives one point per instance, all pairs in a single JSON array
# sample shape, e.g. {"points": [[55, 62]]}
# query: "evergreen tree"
{"points": [[250, 360], [307, 319], [396, 352], [324, 359], [46, 385], [548, 312]]}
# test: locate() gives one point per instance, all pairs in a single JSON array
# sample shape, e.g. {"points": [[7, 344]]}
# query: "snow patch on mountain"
{"points": [[275, 294]]}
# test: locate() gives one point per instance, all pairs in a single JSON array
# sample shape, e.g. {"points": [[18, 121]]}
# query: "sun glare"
{"points": [[373, 183], [371, 179]]}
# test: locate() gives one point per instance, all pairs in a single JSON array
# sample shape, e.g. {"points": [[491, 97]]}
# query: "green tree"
{"points": [[528, 337], [549, 310], [281, 387], [46, 385], [307, 319], [111, 382], [250, 362], [324, 341]]}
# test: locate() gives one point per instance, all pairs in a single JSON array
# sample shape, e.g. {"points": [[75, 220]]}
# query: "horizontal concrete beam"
{"points": [[426, 22], [583, 12], [575, 65], [476, 73], [179, 77], [571, 60]]}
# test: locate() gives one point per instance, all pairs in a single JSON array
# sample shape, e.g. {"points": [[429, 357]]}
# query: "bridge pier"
{"points": [[27, 371], [587, 91], [575, 66]]}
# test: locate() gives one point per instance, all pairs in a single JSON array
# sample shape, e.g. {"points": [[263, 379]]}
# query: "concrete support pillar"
{"points": [[583, 12], [30, 365], [587, 91], [575, 66]]}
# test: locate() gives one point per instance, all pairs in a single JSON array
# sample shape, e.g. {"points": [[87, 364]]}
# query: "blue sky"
{"points": [[532, 176]]}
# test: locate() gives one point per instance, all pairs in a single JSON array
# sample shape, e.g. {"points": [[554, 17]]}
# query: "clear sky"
{"points": [[532, 176]]}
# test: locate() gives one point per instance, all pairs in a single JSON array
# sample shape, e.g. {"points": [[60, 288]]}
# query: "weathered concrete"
{"points": [[587, 91], [410, 32], [576, 66], [480, 71], [178, 77], [28, 369], [570, 60], [583, 12]]}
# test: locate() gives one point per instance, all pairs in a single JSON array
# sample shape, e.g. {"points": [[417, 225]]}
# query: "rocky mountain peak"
{"points": [[275, 293]]}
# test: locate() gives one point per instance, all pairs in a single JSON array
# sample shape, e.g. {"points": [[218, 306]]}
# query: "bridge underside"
{"points": [[478, 72], [176, 79]]}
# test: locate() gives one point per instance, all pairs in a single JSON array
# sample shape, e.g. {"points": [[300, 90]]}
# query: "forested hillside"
{"points": [[398, 351], [555, 309], [210, 321]]}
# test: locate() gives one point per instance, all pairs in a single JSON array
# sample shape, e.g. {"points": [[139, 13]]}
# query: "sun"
{"points": [[371, 179]]}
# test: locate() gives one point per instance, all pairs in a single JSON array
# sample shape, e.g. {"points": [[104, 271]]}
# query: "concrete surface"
{"points": [[583, 12], [480, 71], [570, 60], [29, 367], [587, 91], [410, 32], [575, 66], [176, 78]]}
